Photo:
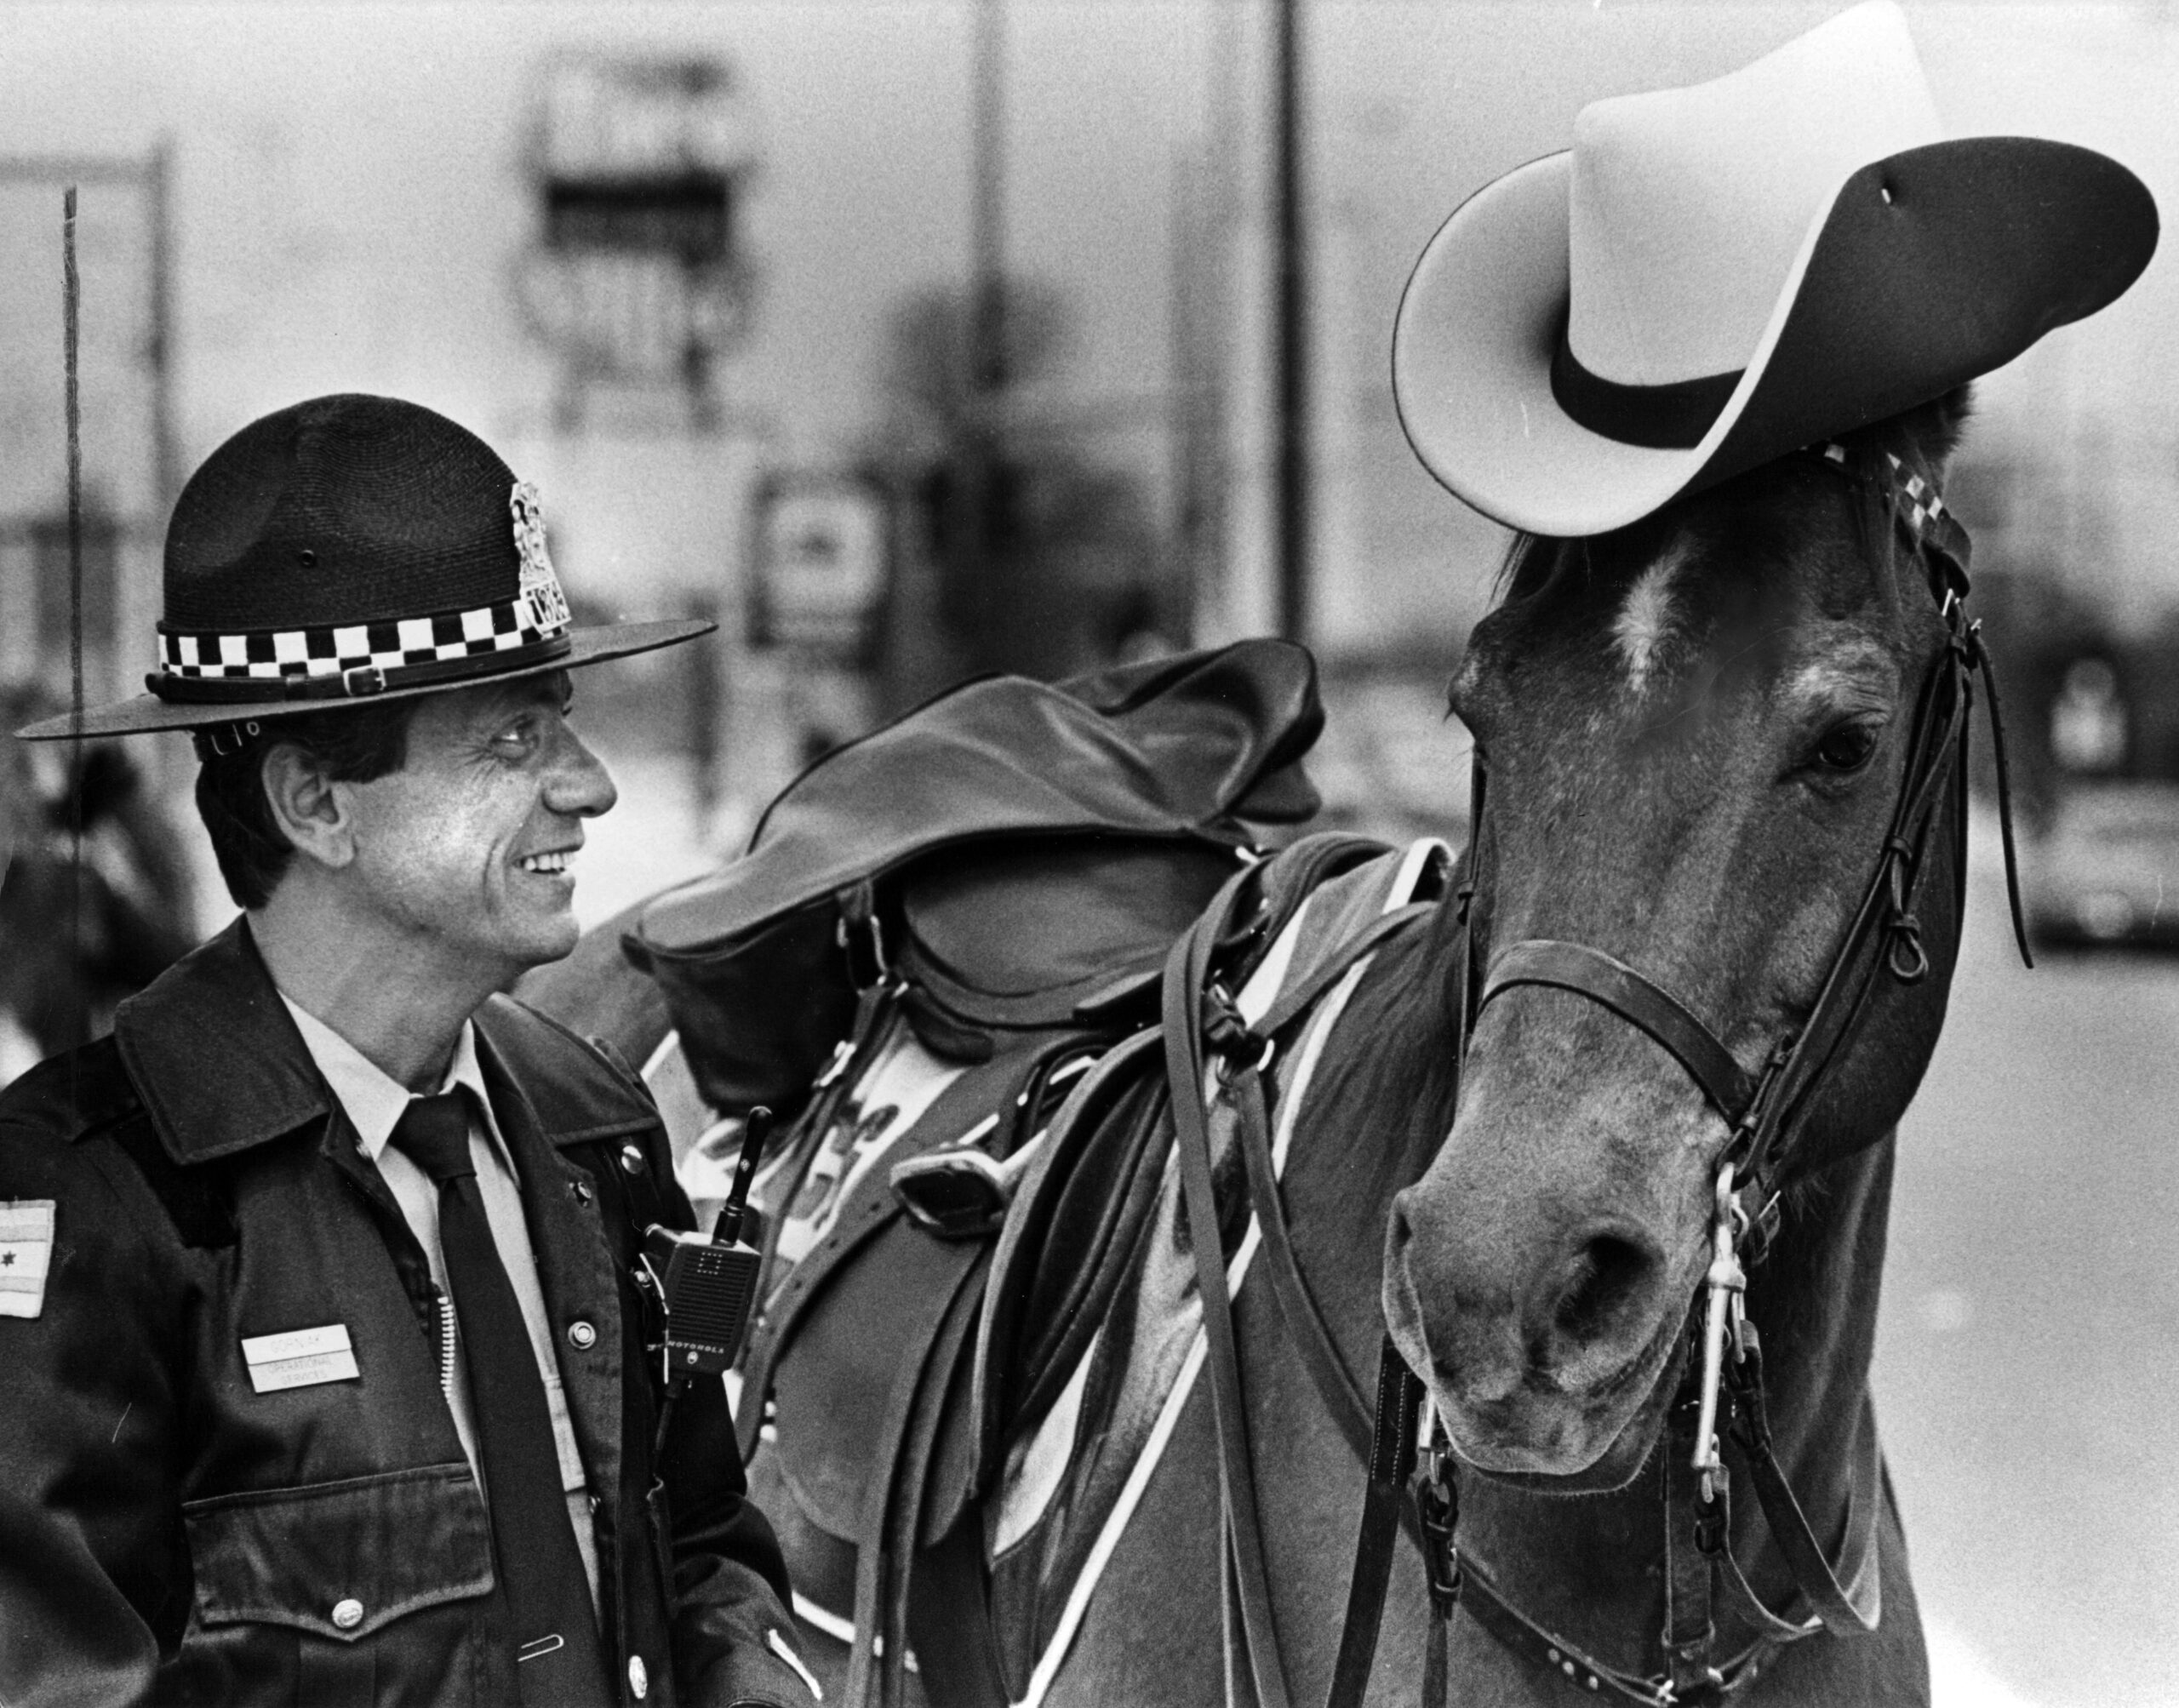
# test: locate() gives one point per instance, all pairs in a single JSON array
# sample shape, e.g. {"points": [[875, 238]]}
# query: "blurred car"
{"points": [[2106, 869]]}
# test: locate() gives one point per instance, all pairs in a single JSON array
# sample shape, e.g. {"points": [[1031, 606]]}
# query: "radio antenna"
{"points": [[756, 1129]]}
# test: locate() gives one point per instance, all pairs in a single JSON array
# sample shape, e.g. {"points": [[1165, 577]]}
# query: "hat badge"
{"points": [[540, 587]]}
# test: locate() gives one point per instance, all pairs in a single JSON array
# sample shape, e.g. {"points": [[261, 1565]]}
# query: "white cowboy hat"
{"points": [[1715, 276]]}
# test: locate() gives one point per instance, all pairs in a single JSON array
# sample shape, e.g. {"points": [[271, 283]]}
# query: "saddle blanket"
{"points": [[1068, 1485]]}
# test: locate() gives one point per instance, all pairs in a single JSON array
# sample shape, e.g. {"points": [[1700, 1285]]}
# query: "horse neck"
{"points": [[1378, 1107]]}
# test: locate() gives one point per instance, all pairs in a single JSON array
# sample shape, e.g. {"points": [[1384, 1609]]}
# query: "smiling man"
{"points": [[319, 1297]]}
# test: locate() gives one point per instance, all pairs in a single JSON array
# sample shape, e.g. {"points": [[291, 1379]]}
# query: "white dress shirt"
{"points": [[375, 1102]]}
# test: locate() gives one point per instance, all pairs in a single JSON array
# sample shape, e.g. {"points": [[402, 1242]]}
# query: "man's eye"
{"points": [[1847, 748], [516, 739]]}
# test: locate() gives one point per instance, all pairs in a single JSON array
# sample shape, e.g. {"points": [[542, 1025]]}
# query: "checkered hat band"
{"points": [[278, 653]]}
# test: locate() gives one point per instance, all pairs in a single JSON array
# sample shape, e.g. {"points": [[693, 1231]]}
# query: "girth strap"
{"points": [[1187, 976]]}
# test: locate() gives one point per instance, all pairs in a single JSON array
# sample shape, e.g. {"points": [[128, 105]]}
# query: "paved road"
{"points": [[2027, 1363]]}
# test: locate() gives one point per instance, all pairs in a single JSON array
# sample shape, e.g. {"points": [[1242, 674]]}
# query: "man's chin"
{"points": [[541, 942]]}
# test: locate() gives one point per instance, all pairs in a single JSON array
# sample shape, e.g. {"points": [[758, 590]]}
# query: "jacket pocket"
{"points": [[340, 1560]]}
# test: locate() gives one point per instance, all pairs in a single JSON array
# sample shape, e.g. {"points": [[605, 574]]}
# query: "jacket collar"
{"points": [[221, 1068], [212, 1055]]}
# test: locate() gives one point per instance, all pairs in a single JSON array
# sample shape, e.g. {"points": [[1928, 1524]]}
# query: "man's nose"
{"points": [[579, 785]]}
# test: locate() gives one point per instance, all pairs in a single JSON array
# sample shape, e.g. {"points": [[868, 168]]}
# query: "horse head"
{"points": [[1695, 733]]}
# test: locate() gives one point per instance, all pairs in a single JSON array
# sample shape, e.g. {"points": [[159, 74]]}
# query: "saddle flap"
{"points": [[830, 1395], [758, 1015]]}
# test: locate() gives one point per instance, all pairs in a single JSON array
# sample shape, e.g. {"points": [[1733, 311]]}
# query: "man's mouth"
{"points": [[555, 864]]}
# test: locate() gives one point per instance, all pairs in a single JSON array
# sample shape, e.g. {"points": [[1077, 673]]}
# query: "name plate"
{"points": [[300, 1358], [25, 1253]]}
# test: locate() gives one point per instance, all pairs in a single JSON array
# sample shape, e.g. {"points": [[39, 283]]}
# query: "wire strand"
{"points": [[70, 302]]}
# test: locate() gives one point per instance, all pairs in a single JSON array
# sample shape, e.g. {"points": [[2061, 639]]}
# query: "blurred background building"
{"points": [[912, 340], [987, 294]]}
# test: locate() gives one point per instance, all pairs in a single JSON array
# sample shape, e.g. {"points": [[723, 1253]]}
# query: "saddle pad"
{"points": [[1068, 1486]]}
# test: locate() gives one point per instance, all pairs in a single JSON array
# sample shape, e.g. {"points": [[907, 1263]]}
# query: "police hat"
{"points": [[348, 550]]}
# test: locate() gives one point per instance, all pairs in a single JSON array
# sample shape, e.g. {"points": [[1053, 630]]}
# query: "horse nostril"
{"points": [[1608, 1276]]}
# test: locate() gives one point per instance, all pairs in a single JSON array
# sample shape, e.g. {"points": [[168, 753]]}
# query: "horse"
{"points": [[1720, 770]]}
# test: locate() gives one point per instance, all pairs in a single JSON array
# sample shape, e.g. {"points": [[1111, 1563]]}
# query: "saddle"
{"points": [[907, 1364], [944, 952], [1140, 770]]}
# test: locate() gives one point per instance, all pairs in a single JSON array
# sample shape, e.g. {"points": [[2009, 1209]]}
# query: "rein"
{"points": [[1764, 1111]]}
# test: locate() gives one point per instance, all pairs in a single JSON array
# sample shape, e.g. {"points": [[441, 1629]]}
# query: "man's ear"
{"points": [[313, 812]]}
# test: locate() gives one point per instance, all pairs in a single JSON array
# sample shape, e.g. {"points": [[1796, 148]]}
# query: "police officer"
{"points": [[319, 1301]]}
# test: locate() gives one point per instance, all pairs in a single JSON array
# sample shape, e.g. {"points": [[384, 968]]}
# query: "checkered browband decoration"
{"points": [[1923, 516], [332, 652]]}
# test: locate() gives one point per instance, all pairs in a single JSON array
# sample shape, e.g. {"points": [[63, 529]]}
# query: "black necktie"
{"points": [[546, 1594]]}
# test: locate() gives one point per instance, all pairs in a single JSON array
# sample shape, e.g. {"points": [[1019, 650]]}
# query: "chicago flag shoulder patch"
{"points": [[26, 1254]]}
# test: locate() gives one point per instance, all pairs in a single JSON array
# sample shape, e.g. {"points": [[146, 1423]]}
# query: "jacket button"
{"points": [[638, 1678], [348, 1615], [582, 1336], [631, 1158]]}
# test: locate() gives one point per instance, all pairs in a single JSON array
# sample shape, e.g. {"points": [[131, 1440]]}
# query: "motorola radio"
{"points": [[707, 1285]]}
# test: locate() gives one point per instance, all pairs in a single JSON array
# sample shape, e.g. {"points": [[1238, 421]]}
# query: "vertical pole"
{"points": [[980, 453], [987, 218], [1293, 358], [158, 348], [79, 1020], [1186, 413], [70, 344]]}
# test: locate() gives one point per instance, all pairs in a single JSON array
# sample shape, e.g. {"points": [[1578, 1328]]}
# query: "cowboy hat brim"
{"points": [[144, 712], [1925, 269]]}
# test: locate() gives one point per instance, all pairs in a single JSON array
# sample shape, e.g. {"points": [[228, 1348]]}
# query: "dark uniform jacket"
{"points": [[169, 1535]]}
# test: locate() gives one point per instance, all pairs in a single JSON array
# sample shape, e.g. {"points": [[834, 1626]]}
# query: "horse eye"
{"points": [[1847, 748]]}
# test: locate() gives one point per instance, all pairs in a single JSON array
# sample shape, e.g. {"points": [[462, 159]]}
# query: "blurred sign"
{"points": [[637, 277], [642, 117], [686, 216], [641, 155], [820, 564]]}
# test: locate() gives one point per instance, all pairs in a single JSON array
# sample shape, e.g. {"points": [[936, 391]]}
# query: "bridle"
{"points": [[1758, 1109], [1765, 1112]]}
